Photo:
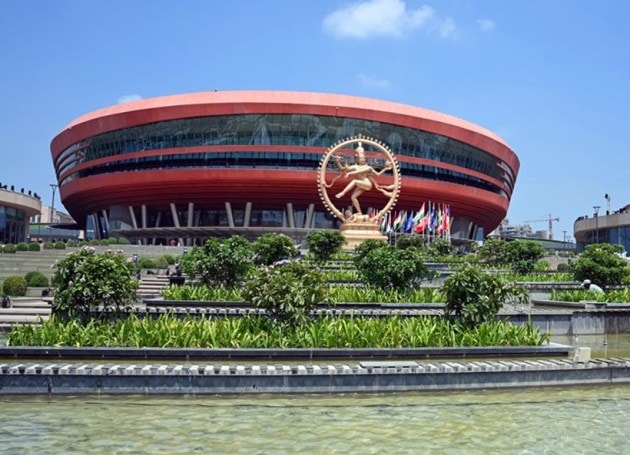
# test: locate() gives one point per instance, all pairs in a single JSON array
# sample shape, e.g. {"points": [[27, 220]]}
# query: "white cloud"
{"points": [[485, 24], [367, 81], [128, 98], [378, 18]]}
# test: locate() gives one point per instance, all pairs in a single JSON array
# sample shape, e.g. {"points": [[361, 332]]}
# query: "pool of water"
{"points": [[576, 420]]}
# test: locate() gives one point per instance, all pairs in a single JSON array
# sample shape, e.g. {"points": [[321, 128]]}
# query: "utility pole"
{"points": [[596, 208]]}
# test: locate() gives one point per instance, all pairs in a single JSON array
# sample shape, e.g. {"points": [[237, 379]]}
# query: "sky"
{"points": [[550, 77]]}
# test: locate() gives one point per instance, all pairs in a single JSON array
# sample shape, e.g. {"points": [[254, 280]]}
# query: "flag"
{"points": [[409, 223], [419, 215]]}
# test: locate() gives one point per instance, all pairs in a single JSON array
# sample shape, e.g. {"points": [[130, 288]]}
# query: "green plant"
{"points": [[36, 279], [440, 248], [59, 245], [34, 246], [146, 263], [324, 244], [111, 240], [409, 241], [71, 243], [601, 264], [563, 268], [161, 263], [272, 247], [391, 268], [14, 286], [9, 248], [287, 293], [123, 241], [22, 246], [169, 259], [48, 245], [219, 262], [87, 281], [474, 296]]}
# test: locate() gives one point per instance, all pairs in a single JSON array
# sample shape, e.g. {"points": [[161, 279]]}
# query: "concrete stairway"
{"points": [[151, 286], [25, 310]]}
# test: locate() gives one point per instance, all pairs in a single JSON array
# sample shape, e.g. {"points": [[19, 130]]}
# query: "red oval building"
{"points": [[217, 163]]}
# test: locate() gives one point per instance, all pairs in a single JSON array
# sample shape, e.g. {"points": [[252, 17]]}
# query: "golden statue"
{"points": [[363, 177]]}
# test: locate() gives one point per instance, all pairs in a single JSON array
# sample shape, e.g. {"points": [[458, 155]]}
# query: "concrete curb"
{"points": [[369, 376]]}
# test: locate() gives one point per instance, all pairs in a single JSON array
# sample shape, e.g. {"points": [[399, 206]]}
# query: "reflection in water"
{"points": [[523, 421]]}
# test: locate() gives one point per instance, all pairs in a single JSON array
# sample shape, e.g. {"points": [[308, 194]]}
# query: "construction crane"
{"points": [[549, 220]]}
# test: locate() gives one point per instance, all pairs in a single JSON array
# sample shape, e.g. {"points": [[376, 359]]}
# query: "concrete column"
{"points": [[247, 217], [309, 216], [290, 215], [230, 214]]}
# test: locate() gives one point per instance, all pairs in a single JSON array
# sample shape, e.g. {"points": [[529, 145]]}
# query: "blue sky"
{"points": [[550, 77]]}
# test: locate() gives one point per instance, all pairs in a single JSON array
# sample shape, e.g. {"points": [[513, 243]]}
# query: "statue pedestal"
{"points": [[356, 232]]}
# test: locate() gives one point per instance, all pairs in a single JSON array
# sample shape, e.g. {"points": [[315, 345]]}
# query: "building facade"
{"points": [[611, 227], [218, 163], [15, 209]]}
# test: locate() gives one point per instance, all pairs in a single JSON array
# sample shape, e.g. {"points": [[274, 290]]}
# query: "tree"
{"points": [[474, 296], [87, 282], [601, 264], [219, 262], [287, 293], [391, 268], [272, 247], [523, 255], [493, 252], [324, 244]]}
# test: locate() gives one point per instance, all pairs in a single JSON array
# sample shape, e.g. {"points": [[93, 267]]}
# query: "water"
{"points": [[576, 420]]}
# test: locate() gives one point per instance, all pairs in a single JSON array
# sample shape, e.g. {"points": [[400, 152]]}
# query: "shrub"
{"points": [[409, 241], [391, 268], [324, 244], [71, 243], [170, 260], [563, 268], [94, 242], [34, 246], [440, 248], [9, 248], [14, 286], [271, 247], [160, 263], [103, 242], [474, 297], [601, 264], [146, 263], [59, 245], [48, 245], [288, 292], [88, 281], [22, 246], [365, 247], [123, 241], [36, 280], [219, 262]]}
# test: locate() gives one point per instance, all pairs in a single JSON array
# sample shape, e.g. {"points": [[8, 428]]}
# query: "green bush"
{"points": [[223, 262], [71, 243], [474, 297], [161, 263], [392, 268], [123, 241], [22, 246], [324, 244], [601, 264], [88, 281], [103, 242], [410, 241], [9, 248], [272, 247], [170, 260], [48, 245], [34, 246], [36, 280], [59, 245], [14, 286], [94, 242], [146, 263], [563, 268], [288, 292]]}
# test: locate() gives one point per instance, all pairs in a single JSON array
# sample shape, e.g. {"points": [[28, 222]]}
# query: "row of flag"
{"points": [[431, 219]]}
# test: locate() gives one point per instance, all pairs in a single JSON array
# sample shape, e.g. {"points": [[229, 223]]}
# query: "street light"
{"points": [[596, 208], [52, 206]]}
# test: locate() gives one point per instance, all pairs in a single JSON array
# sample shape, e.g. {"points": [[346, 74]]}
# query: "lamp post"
{"points": [[564, 240], [596, 208], [52, 206]]}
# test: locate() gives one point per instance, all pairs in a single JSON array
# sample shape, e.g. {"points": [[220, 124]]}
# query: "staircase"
{"points": [[24, 310], [150, 286]]}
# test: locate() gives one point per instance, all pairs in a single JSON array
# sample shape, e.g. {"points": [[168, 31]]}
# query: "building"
{"points": [[15, 209], [523, 231], [611, 227], [245, 162]]}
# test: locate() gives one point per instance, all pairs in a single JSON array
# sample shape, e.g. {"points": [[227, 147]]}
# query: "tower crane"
{"points": [[549, 220]]}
